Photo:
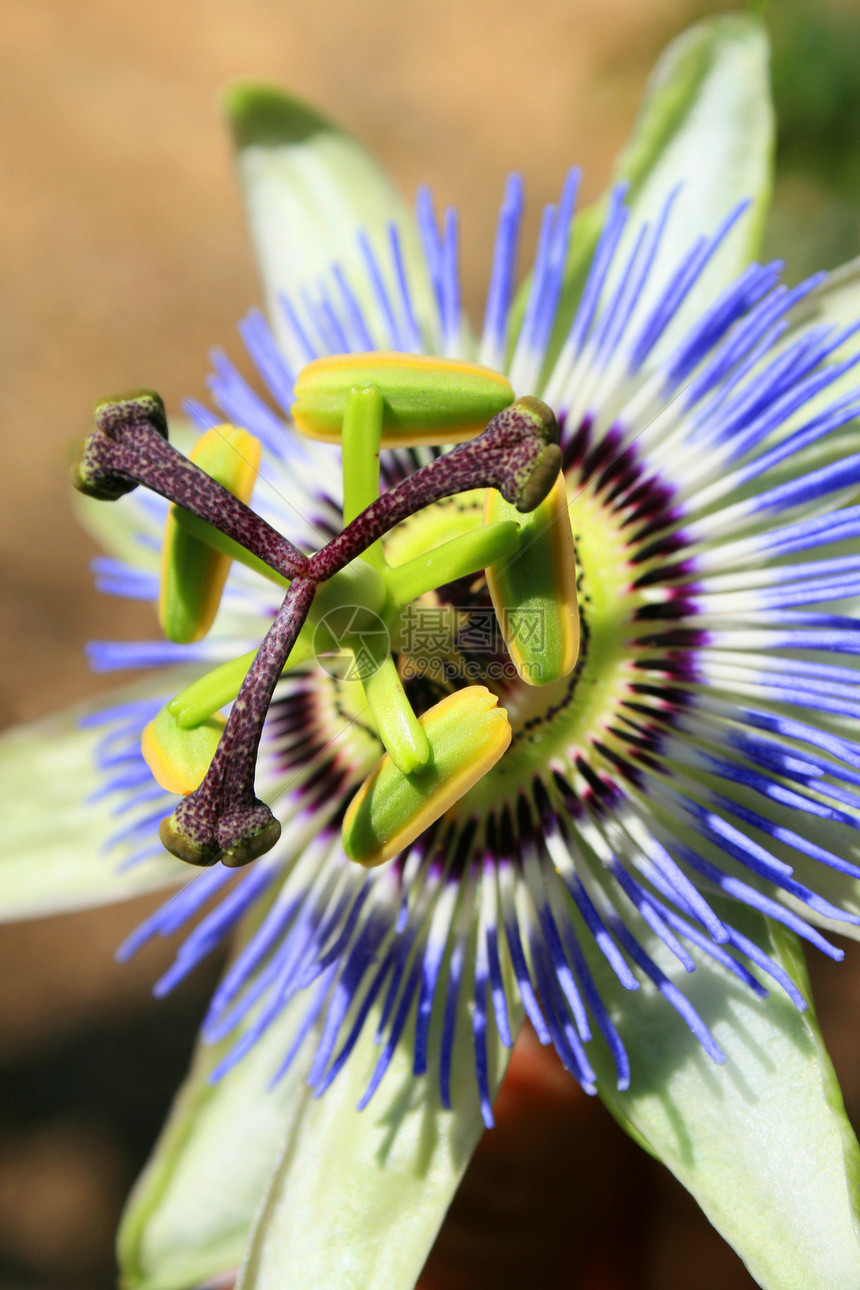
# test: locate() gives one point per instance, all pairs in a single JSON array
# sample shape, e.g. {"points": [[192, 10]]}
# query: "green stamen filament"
{"points": [[203, 698], [451, 560], [362, 435], [396, 723]]}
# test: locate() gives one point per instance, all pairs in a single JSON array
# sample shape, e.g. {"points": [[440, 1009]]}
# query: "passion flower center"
{"points": [[517, 454]]}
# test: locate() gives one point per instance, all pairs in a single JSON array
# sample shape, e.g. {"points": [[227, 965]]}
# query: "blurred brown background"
{"points": [[123, 259]]}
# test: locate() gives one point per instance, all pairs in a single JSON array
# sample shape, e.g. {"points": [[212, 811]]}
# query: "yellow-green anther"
{"points": [[468, 733], [463, 555], [425, 399], [193, 572], [362, 436], [398, 727], [179, 757], [534, 590]]}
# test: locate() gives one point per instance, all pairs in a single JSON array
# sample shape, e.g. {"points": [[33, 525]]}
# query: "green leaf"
{"points": [[190, 1214], [763, 1142], [51, 836], [359, 1196], [309, 189], [706, 122]]}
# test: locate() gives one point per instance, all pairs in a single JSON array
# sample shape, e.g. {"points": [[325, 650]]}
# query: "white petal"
{"points": [[763, 1142], [190, 1214], [310, 188], [359, 1195], [51, 837]]}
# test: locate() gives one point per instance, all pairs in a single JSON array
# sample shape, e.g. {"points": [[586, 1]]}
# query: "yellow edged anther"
{"points": [[468, 732], [534, 589], [425, 399], [192, 573], [178, 757]]}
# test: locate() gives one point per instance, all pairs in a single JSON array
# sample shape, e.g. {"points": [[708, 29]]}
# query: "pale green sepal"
{"points": [[707, 123], [835, 301], [845, 895], [763, 1142], [309, 189], [51, 835], [188, 1219], [359, 1196]]}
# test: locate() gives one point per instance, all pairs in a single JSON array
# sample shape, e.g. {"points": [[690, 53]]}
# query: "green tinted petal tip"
{"points": [[262, 114]]}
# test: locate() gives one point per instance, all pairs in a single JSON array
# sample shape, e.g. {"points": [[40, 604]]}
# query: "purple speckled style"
{"points": [[223, 818]]}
